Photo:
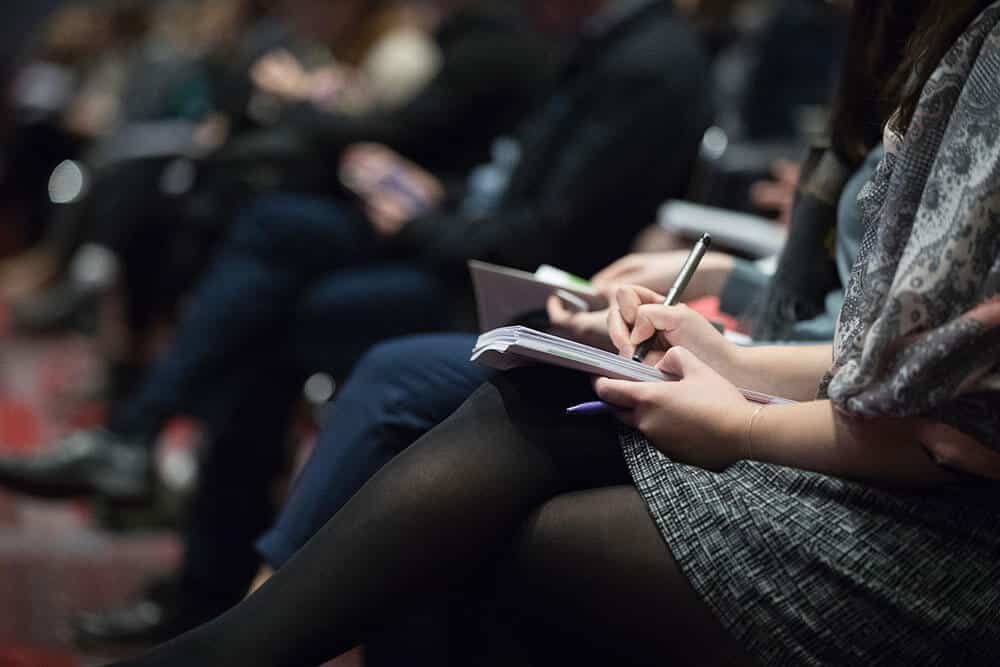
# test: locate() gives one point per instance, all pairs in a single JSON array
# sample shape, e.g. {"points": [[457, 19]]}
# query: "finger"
{"points": [[628, 302], [653, 319], [429, 186], [681, 362], [629, 298], [620, 332], [558, 314], [623, 394], [379, 219], [624, 307], [647, 295], [654, 357], [386, 214]]}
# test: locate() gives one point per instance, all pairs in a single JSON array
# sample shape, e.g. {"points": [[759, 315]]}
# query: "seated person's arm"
{"points": [[816, 436], [603, 163], [793, 372], [704, 420], [471, 74]]}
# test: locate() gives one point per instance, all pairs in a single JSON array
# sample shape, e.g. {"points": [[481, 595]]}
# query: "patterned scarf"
{"points": [[919, 333]]}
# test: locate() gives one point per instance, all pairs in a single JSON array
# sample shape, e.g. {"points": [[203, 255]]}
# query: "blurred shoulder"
{"points": [[660, 43]]}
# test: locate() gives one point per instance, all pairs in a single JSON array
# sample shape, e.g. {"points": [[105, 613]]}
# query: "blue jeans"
{"points": [[301, 286], [398, 392], [293, 268]]}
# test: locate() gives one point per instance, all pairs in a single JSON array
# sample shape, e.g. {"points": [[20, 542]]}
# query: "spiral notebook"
{"points": [[513, 347]]}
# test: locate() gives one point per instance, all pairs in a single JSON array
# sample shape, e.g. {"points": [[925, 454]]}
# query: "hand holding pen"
{"points": [[639, 316], [680, 284]]}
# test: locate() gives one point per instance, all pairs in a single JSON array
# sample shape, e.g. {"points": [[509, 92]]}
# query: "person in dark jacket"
{"points": [[302, 283], [160, 237]]}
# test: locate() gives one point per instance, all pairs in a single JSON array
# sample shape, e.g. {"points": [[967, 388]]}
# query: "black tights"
{"points": [[507, 477]]}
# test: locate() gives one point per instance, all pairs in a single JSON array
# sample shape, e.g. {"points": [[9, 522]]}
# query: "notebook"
{"points": [[516, 346], [505, 295]]}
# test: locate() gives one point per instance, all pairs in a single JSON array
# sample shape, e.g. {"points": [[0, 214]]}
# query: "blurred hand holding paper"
{"points": [[505, 295]]}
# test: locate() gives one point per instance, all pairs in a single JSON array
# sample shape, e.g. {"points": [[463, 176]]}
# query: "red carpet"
{"points": [[54, 559]]}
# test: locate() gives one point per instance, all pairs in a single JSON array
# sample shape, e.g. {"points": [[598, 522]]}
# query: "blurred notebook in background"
{"points": [[751, 235], [512, 347], [505, 295]]}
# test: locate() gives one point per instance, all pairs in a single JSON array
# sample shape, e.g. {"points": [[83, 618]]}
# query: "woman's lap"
{"points": [[597, 568], [809, 569], [591, 556]]}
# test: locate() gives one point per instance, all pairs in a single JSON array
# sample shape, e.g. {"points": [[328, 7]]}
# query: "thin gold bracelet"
{"points": [[750, 423]]}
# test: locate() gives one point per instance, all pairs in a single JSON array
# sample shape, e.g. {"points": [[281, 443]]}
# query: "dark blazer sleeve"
{"points": [[636, 117], [475, 68]]}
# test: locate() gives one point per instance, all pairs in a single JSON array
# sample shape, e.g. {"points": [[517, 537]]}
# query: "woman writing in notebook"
{"points": [[860, 526]]}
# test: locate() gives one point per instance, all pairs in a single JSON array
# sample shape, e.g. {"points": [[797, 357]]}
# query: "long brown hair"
{"points": [[895, 46]]}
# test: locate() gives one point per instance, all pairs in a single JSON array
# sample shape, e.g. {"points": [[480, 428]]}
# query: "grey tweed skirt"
{"points": [[805, 569]]}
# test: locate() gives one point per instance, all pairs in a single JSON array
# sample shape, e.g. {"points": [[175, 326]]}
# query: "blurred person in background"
{"points": [[291, 292], [626, 552], [165, 72], [401, 389], [63, 96], [483, 70]]}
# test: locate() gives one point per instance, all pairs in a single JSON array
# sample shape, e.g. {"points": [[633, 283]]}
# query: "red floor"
{"points": [[53, 562], [54, 559]]}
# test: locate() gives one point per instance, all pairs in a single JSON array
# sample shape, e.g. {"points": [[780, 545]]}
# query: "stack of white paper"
{"points": [[511, 347]]}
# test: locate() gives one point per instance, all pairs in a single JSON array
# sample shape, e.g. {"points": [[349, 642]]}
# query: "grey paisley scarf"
{"points": [[920, 330]]}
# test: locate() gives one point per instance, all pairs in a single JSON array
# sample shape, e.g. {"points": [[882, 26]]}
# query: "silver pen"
{"points": [[680, 284]]}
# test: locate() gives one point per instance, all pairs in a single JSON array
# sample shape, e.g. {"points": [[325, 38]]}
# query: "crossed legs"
{"points": [[507, 477]]}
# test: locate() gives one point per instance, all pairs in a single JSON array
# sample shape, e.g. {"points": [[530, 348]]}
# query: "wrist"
{"points": [[737, 430], [751, 449], [737, 363]]}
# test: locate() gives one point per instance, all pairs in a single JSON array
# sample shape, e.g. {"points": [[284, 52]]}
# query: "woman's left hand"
{"points": [[699, 420]]}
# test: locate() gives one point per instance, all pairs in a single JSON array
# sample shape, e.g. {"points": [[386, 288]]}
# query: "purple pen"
{"points": [[592, 408]]}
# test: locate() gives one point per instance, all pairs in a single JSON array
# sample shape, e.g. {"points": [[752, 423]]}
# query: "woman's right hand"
{"points": [[637, 313]]}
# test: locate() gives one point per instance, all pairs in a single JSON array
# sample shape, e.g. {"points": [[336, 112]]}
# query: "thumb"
{"points": [[681, 362], [623, 394]]}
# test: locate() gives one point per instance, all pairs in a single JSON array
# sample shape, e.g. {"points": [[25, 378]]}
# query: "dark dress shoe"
{"points": [[87, 463], [164, 613]]}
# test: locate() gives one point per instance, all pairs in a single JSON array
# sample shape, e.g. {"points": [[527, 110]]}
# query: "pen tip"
{"points": [[706, 239]]}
